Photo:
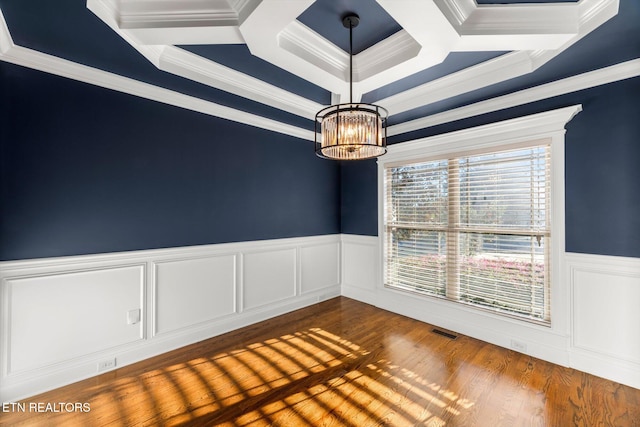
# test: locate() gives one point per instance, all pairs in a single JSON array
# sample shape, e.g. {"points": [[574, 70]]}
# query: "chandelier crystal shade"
{"points": [[352, 131]]}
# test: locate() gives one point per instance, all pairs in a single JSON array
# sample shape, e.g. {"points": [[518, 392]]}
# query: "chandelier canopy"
{"points": [[352, 131]]}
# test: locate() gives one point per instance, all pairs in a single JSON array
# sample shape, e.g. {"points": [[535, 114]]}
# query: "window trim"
{"points": [[537, 129]]}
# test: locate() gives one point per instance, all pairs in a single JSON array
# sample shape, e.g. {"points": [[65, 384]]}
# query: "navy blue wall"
{"points": [[359, 197], [88, 170], [602, 170]]}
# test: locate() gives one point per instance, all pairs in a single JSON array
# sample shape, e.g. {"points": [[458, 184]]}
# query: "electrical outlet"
{"points": [[519, 346], [106, 364]]}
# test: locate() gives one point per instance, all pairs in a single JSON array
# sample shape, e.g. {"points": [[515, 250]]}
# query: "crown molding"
{"points": [[178, 13], [273, 33], [244, 8], [175, 19], [542, 18], [614, 73], [301, 41], [64, 68], [6, 42], [107, 11], [186, 36], [592, 14], [385, 55], [312, 47], [194, 67], [586, 16], [457, 11], [382, 63], [471, 78], [169, 22], [183, 13]]}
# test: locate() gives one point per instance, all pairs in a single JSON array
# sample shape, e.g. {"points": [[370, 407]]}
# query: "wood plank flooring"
{"points": [[341, 363]]}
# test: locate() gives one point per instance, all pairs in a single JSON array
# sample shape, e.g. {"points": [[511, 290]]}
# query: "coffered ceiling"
{"points": [[275, 63]]}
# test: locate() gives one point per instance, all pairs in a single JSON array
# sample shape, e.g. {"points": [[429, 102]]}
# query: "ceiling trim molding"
{"points": [[457, 11], [614, 73], [6, 42], [61, 67], [533, 19], [186, 36], [107, 11], [593, 13], [172, 19], [174, 14], [298, 49], [273, 24], [471, 78], [244, 8], [301, 41], [183, 13], [170, 58], [384, 55], [194, 67], [153, 28]]}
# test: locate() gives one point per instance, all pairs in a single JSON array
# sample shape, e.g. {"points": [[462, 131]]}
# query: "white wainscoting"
{"points": [[61, 317], [602, 311], [605, 318], [360, 268]]}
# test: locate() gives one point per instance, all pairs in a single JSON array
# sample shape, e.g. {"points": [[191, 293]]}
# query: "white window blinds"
{"points": [[473, 229]]}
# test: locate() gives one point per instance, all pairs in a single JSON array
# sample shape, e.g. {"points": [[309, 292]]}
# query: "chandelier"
{"points": [[353, 131]]}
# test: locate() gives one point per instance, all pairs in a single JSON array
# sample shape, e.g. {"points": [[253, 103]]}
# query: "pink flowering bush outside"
{"points": [[501, 280]]}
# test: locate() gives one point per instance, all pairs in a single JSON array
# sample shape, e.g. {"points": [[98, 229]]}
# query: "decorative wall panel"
{"points": [[63, 316], [192, 291], [268, 277], [320, 267]]}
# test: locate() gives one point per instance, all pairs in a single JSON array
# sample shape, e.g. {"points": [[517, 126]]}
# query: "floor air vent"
{"points": [[444, 334]]}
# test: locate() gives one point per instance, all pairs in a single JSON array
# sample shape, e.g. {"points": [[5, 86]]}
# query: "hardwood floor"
{"points": [[340, 363]]}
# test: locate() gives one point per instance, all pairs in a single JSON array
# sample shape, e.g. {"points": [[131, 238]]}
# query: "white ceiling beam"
{"points": [[191, 66], [592, 14], [510, 26], [273, 33], [431, 30], [194, 67], [182, 22], [484, 74]]}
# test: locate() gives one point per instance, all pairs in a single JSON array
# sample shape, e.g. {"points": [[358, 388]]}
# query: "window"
{"points": [[473, 229], [475, 218]]}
